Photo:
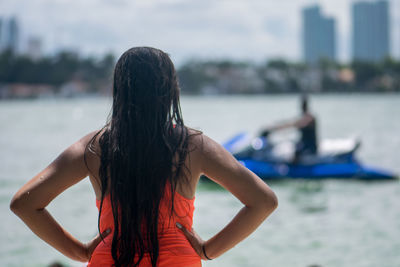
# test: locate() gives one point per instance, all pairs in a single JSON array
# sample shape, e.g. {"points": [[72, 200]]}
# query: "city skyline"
{"points": [[251, 30]]}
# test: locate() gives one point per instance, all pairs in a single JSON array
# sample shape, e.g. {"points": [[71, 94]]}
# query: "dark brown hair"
{"points": [[143, 149]]}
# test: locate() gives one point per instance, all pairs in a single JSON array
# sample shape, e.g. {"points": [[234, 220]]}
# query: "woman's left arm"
{"points": [[30, 202]]}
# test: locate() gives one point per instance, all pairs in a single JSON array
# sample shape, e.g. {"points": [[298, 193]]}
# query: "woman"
{"points": [[144, 166]]}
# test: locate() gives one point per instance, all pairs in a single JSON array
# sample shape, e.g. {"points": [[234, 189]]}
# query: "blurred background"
{"points": [[242, 65]]}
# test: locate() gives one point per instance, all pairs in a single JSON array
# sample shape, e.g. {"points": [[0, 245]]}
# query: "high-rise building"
{"points": [[371, 39], [1, 34], [319, 36], [12, 36], [9, 34]]}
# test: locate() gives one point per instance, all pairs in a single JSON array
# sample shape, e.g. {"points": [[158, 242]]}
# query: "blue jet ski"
{"points": [[336, 159]]}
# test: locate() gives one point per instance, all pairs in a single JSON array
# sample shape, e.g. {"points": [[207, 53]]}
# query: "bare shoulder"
{"points": [[201, 143], [92, 150], [86, 150], [211, 157], [92, 139], [196, 139]]}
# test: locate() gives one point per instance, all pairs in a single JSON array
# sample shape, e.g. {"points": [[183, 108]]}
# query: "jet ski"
{"points": [[335, 159]]}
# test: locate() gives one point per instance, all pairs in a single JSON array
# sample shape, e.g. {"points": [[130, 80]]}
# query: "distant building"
{"points": [[34, 48], [1, 34], [13, 34], [371, 40], [319, 36], [9, 34]]}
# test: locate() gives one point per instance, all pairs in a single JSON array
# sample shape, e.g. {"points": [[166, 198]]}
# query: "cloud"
{"points": [[251, 29]]}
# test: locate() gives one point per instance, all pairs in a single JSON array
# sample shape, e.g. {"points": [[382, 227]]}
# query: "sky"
{"points": [[254, 30]]}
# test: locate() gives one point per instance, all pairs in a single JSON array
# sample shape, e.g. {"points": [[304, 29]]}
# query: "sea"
{"points": [[326, 223]]}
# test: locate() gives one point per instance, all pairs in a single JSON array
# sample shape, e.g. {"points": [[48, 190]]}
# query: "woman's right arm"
{"points": [[258, 199]]}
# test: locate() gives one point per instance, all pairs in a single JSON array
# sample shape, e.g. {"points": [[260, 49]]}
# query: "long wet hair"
{"points": [[143, 149]]}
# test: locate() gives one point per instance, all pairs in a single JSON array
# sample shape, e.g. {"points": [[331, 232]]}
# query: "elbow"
{"points": [[23, 204], [274, 201], [265, 202], [18, 204], [15, 205], [270, 201]]}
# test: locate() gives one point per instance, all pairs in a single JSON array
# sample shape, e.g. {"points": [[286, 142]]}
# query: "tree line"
{"points": [[281, 76], [215, 77], [54, 70]]}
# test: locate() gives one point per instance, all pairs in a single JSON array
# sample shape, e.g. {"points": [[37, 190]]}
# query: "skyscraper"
{"points": [[9, 33], [371, 30], [319, 36], [12, 36], [1, 34]]}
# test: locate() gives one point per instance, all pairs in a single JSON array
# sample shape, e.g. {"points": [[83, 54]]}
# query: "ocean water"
{"points": [[323, 223]]}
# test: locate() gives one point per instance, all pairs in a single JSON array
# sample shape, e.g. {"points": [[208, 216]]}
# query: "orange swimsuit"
{"points": [[175, 249]]}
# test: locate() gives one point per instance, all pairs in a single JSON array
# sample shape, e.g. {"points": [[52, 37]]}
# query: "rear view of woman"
{"points": [[144, 165]]}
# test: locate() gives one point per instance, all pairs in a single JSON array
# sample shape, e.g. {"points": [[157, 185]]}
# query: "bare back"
{"points": [[186, 186]]}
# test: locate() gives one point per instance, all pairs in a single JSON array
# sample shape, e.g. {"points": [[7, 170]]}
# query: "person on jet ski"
{"points": [[306, 125]]}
